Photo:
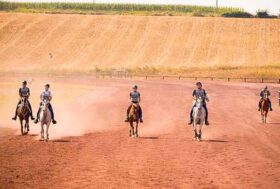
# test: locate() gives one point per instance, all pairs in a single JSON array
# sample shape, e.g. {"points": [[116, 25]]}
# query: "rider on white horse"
{"points": [[135, 99], [262, 94], [199, 93], [46, 95], [24, 92]]}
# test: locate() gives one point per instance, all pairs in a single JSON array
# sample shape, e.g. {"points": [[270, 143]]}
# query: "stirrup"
{"points": [[14, 118], [53, 121]]}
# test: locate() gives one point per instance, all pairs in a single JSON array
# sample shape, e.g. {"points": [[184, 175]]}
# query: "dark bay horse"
{"points": [[264, 107], [23, 113], [133, 116]]}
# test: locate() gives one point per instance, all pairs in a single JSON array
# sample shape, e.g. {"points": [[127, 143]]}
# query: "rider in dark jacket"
{"points": [[200, 93], [24, 92]]}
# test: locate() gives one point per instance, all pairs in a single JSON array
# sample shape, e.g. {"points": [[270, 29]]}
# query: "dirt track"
{"points": [[237, 151], [82, 42]]}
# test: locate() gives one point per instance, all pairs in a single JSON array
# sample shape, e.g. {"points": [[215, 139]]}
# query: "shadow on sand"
{"points": [[61, 140], [214, 141], [149, 138]]}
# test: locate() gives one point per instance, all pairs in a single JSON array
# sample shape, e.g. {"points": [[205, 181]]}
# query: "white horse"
{"points": [[199, 114], [45, 118]]}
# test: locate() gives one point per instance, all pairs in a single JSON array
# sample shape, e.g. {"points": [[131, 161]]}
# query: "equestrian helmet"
{"points": [[265, 87], [47, 85], [198, 84], [134, 86], [24, 82]]}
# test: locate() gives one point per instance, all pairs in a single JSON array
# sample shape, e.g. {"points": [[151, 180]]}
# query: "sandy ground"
{"points": [[90, 147], [82, 42]]}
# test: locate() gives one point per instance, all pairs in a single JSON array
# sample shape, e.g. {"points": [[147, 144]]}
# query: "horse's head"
{"points": [[134, 110], [23, 102], [199, 102], [265, 95], [44, 105]]}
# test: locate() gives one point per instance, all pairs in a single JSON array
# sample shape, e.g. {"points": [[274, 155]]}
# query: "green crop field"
{"points": [[97, 8]]}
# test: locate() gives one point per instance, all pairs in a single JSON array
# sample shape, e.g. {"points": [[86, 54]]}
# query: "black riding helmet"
{"points": [[47, 85], [24, 83], [198, 84]]}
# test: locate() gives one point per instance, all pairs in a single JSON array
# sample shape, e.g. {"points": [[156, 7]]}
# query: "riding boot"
{"points": [[127, 113], [206, 116], [269, 103], [38, 115], [15, 118], [191, 117], [30, 108], [52, 114], [140, 114], [260, 104]]}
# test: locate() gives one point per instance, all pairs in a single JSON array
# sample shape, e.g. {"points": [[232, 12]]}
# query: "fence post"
{"points": [[262, 80], [245, 80], [228, 79], [279, 81], [179, 77], [146, 77], [163, 77], [212, 78], [195, 78]]}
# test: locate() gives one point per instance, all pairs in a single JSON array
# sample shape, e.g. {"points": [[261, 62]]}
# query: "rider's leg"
{"points": [[15, 118], [127, 112], [269, 103], [140, 114], [260, 104], [206, 116], [30, 108], [51, 110], [191, 116], [38, 114]]}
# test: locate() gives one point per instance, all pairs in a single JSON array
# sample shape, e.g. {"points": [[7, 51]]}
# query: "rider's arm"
{"points": [[139, 98], [28, 94], [50, 97], [268, 93], [206, 96], [193, 95], [19, 93]]}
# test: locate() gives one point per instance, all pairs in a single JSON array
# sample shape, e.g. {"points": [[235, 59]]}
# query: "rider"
{"points": [[24, 92], [262, 94], [135, 99], [200, 93], [46, 95]]}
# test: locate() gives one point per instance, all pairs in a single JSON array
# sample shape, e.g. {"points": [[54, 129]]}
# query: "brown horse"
{"points": [[23, 113], [264, 108], [133, 116]]}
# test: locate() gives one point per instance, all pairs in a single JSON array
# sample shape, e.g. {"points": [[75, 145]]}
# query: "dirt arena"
{"points": [[90, 147]]}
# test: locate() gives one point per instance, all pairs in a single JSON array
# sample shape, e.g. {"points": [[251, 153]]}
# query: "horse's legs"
{"points": [[21, 125], [136, 132], [42, 131], [47, 131], [27, 124], [131, 129]]}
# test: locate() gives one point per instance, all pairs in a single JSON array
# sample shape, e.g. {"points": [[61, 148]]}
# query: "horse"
{"points": [[45, 119], [264, 108], [199, 114], [133, 116], [23, 112]]}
